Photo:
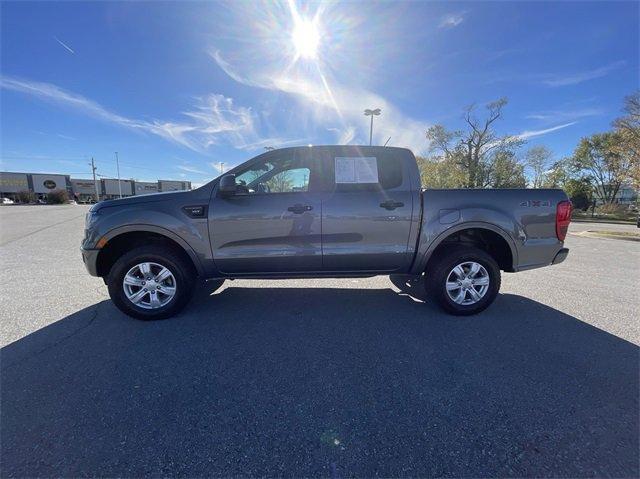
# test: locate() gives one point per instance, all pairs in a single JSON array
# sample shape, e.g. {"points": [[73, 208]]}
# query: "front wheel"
{"points": [[464, 280], [151, 282]]}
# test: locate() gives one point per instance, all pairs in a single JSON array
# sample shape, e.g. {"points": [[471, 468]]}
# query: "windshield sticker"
{"points": [[356, 170]]}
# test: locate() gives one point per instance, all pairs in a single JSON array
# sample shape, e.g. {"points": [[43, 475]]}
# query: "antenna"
{"points": [[385, 143]]}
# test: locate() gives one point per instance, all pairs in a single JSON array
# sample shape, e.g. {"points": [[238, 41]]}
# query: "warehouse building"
{"points": [[82, 190], [146, 187], [85, 190], [168, 185]]}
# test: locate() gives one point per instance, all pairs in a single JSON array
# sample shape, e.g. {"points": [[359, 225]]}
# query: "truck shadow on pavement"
{"points": [[320, 382]]}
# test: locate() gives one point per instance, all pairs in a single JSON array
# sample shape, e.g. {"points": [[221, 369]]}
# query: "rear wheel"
{"points": [[151, 282], [464, 280]]}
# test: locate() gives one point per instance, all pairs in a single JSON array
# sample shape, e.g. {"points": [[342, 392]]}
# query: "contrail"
{"points": [[64, 45]]}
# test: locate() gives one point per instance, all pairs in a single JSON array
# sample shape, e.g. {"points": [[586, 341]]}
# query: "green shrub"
{"points": [[26, 196], [57, 197]]}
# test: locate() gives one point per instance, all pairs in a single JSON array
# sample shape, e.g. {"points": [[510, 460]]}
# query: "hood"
{"points": [[149, 198]]}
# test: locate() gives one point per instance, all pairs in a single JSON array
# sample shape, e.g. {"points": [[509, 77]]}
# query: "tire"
{"points": [[156, 300], [457, 300]]}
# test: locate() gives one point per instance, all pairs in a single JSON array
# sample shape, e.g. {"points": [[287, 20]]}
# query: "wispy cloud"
{"points": [[328, 103], [214, 119], [580, 77], [192, 169], [452, 20], [344, 136], [347, 136], [64, 45], [533, 133], [65, 137], [564, 115]]}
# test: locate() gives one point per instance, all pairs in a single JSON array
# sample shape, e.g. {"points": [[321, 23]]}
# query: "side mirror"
{"points": [[228, 186]]}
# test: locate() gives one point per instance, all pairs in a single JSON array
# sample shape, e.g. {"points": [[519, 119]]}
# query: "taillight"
{"points": [[563, 218]]}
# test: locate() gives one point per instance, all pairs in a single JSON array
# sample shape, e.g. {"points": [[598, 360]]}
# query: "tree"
{"points": [[580, 192], [440, 173], [600, 157], [475, 150], [558, 174], [57, 197], [504, 172], [628, 128], [281, 182], [537, 160]]}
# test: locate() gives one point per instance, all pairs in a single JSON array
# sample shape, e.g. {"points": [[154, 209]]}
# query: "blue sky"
{"points": [[177, 88]]}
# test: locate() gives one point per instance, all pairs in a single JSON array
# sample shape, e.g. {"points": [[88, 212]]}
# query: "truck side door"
{"points": [[273, 224], [366, 226]]}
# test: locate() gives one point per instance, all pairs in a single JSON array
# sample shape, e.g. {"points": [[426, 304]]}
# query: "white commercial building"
{"points": [[145, 187]]}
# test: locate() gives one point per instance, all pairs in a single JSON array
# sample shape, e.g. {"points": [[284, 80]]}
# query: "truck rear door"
{"points": [[367, 211]]}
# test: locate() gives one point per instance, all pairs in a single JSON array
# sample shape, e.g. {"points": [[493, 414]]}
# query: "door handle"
{"points": [[299, 209], [391, 205]]}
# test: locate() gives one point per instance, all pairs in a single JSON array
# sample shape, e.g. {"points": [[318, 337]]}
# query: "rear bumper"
{"points": [[561, 256], [90, 260]]}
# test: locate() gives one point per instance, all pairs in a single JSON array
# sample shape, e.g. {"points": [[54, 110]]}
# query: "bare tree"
{"points": [[538, 160], [281, 182], [475, 149]]}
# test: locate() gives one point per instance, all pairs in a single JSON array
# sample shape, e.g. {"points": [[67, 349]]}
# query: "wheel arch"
{"points": [[488, 237], [120, 240]]}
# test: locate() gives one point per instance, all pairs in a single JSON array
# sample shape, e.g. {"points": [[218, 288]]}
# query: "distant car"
{"points": [[7, 201]]}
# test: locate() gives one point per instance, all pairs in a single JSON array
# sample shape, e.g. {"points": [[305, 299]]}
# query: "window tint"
{"points": [[288, 181], [389, 172], [276, 175]]}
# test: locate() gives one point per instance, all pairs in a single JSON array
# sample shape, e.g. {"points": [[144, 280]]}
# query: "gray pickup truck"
{"points": [[322, 211]]}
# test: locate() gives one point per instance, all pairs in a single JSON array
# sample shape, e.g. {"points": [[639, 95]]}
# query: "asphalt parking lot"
{"points": [[334, 378]]}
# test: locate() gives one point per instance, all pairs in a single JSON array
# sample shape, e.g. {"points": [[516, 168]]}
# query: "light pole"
{"points": [[371, 113], [118, 168]]}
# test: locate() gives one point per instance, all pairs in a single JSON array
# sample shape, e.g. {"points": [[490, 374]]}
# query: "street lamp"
{"points": [[371, 113]]}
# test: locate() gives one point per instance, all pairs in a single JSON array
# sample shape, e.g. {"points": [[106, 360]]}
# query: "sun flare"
{"points": [[306, 38]]}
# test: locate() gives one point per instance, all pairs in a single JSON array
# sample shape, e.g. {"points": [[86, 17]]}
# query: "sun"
{"points": [[306, 38]]}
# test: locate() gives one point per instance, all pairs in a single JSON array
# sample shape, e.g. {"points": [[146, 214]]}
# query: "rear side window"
{"points": [[389, 175], [389, 172]]}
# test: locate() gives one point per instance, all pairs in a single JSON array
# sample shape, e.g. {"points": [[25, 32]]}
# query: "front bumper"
{"points": [[90, 260], [561, 256]]}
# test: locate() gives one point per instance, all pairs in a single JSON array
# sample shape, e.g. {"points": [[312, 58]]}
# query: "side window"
{"points": [[276, 175], [390, 175], [389, 172], [289, 181]]}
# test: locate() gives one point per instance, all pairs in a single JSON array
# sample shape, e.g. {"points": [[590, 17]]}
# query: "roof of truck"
{"points": [[341, 147]]}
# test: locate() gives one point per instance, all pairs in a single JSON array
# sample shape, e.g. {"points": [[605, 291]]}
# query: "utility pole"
{"points": [[221, 167], [118, 168], [95, 183]]}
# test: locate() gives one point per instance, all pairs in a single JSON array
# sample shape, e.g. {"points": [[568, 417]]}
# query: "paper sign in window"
{"points": [[361, 169]]}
